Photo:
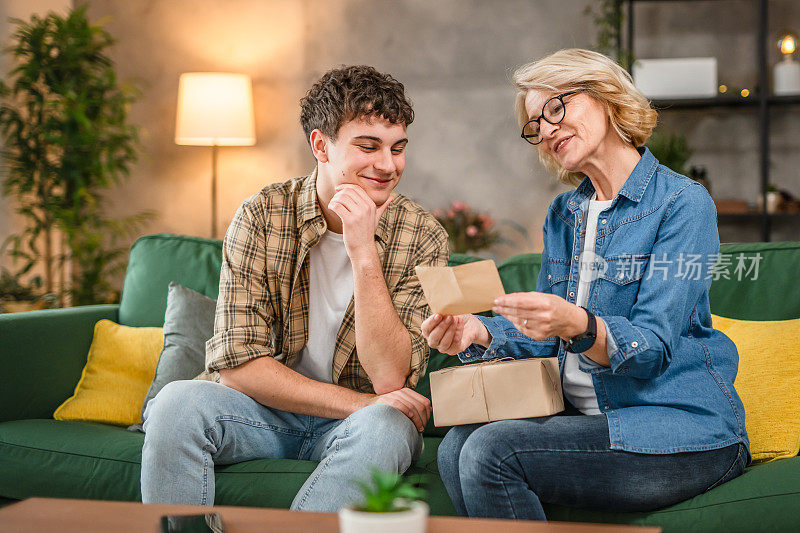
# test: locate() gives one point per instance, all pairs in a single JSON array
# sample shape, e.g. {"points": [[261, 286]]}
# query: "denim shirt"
{"points": [[669, 388]]}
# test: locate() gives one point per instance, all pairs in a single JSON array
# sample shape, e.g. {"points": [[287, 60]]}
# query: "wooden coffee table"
{"points": [[81, 516]]}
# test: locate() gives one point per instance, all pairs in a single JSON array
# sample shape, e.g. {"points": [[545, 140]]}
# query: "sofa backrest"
{"points": [[154, 261], [770, 294]]}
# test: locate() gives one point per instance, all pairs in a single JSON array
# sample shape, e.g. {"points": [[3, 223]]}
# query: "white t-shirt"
{"points": [[329, 294], [577, 385]]}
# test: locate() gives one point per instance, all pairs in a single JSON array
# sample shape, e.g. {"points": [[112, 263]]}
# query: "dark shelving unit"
{"points": [[760, 101]]}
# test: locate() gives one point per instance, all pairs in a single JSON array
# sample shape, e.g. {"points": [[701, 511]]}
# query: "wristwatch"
{"points": [[583, 341]]}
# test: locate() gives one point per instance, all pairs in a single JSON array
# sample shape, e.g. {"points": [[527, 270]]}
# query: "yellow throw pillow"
{"points": [[119, 369], [767, 382]]}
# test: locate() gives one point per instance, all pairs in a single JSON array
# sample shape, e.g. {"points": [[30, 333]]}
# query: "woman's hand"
{"points": [[454, 334], [540, 316]]}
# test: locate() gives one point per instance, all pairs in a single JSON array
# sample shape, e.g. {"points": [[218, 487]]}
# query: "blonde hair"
{"points": [[630, 112]]}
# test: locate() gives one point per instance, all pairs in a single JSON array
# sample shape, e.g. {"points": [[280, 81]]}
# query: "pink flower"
{"points": [[486, 221], [472, 230], [460, 206], [438, 213], [451, 214]]}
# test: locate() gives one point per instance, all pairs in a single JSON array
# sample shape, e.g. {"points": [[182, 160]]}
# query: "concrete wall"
{"points": [[455, 58]]}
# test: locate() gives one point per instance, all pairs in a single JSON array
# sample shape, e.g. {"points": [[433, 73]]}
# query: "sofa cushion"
{"points": [[119, 369], [768, 387], [188, 324], [154, 261], [86, 460], [97, 461], [761, 499]]}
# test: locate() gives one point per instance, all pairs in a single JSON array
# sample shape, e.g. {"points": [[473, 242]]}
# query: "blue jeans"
{"points": [[193, 425], [506, 469]]}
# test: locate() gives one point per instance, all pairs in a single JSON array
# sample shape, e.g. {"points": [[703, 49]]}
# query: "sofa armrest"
{"points": [[42, 355]]}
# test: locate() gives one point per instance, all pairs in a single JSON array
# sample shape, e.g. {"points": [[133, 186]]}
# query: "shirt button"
{"points": [[572, 203], [607, 408], [604, 221], [572, 294], [576, 258], [621, 275], [549, 276], [634, 344]]}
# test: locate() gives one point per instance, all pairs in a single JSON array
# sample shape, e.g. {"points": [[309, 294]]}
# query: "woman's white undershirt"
{"points": [[577, 385]]}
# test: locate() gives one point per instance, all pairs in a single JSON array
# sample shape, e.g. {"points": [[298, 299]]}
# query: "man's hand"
{"points": [[540, 315], [412, 404], [454, 334], [359, 219]]}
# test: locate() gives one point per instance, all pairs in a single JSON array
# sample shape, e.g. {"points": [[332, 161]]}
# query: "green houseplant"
{"points": [[391, 504], [63, 119], [671, 150], [608, 18]]}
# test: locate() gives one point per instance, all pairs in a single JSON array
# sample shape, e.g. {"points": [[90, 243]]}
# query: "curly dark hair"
{"points": [[346, 93]]}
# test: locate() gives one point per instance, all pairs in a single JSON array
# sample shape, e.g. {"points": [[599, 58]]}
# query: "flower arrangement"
{"points": [[468, 230]]}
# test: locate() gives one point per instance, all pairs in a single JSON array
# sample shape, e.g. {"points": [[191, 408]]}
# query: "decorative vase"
{"points": [[773, 202], [414, 520], [786, 77]]}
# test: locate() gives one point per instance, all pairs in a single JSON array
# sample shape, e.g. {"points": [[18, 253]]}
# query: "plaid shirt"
{"points": [[264, 281]]}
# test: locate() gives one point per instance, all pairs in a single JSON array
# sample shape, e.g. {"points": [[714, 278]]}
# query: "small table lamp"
{"points": [[215, 109], [786, 75]]}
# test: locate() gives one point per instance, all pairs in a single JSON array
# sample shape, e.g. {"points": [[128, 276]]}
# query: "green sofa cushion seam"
{"points": [[729, 502], [45, 450]]}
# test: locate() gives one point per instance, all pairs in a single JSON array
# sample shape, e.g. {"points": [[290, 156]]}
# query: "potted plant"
{"points": [[671, 150], [468, 230], [608, 18], [15, 297], [66, 137], [391, 504], [773, 199]]}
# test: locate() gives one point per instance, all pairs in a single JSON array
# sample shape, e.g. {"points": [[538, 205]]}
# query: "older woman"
{"points": [[622, 301]]}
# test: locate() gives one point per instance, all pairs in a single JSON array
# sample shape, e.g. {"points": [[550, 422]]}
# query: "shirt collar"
{"points": [[308, 207], [633, 188]]}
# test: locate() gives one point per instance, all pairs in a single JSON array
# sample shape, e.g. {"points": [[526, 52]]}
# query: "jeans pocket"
{"points": [[735, 470]]}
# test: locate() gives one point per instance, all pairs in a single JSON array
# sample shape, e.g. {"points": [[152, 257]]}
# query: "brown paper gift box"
{"points": [[499, 389]]}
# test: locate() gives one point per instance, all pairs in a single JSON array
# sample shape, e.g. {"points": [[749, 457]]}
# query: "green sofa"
{"points": [[43, 353]]}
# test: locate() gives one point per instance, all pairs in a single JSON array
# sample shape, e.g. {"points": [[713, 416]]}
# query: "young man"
{"points": [[317, 343]]}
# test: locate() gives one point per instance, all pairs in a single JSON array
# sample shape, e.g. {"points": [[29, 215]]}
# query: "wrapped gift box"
{"points": [[499, 389]]}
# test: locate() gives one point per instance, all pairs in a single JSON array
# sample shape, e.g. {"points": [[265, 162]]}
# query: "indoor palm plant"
{"points": [[63, 119]]}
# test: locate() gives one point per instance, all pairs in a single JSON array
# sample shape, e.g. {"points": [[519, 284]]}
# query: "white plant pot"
{"points": [[414, 520]]}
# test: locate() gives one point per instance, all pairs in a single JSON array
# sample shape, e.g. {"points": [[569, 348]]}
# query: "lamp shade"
{"points": [[215, 108]]}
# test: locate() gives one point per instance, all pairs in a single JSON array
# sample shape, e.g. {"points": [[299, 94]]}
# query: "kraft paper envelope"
{"points": [[462, 289]]}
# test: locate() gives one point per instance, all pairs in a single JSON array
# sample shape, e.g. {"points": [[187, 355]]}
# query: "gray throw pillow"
{"points": [[188, 324]]}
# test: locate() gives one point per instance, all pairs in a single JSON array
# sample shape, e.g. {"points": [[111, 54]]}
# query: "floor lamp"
{"points": [[215, 109]]}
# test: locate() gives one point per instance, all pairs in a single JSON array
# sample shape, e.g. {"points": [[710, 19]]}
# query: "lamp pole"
{"points": [[214, 191]]}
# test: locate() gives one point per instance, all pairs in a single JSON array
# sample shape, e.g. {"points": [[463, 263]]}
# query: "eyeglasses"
{"points": [[552, 111]]}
